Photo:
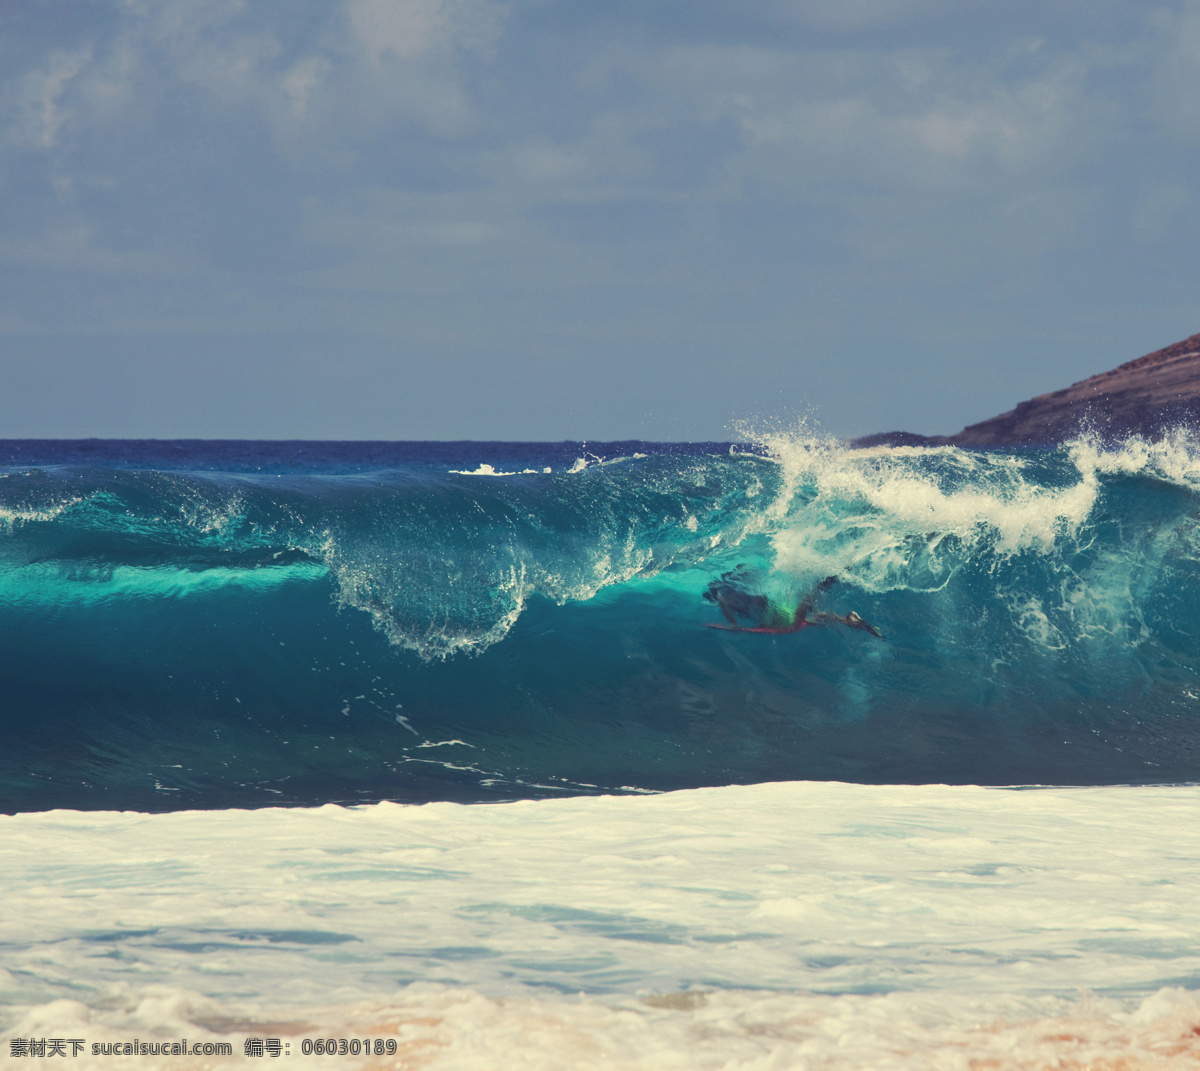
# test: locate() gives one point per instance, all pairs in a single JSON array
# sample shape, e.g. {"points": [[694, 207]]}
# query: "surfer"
{"points": [[734, 601]]}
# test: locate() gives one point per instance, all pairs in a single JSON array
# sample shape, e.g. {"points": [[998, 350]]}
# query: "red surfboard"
{"points": [[756, 628]]}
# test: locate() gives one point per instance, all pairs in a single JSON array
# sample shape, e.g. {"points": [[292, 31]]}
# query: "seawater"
{"points": [[699, 848], [216, 625]]}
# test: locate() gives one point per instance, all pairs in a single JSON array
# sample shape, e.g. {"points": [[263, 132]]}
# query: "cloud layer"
{"points": [[594, 218]]}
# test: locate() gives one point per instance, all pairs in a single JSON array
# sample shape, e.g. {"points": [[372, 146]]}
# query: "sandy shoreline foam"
{"points": [[440, 1028], [775, 925]]}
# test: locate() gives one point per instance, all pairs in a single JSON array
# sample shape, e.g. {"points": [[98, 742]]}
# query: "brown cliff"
{"points": [[1148, 397]]}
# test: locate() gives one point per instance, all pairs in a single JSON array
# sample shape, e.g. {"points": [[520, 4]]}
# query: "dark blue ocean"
{"points": [[227, 624]]}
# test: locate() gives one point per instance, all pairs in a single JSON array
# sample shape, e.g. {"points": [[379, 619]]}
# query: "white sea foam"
{"points": [[909, 518], [490, 470], [770, 926], [1175, 458], [863, 510], [12, 516], [209, 514], [375, 580]]}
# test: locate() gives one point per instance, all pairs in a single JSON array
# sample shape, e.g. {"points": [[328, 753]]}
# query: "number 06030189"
{"points": [[348, 1046]]}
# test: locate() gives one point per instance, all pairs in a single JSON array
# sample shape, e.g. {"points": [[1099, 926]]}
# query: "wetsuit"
{"points": [[734, 601]]}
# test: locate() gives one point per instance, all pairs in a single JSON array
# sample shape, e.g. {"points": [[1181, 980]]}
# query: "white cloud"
{"points": [[402, 28], [72, 244], [606, 157], [37, 103], [455, 235], [1178, 71], [301, 79], [858, 14], [925, 119], [357, 69]]}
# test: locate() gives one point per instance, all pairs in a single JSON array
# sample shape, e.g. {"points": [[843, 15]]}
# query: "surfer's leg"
{"points": [[727, 612]]}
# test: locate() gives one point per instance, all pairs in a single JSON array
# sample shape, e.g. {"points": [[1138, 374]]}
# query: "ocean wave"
{"points": [[1039, 609]]}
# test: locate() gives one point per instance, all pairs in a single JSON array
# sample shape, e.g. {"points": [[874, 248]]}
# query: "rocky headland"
{"points": [[1148, 396]]}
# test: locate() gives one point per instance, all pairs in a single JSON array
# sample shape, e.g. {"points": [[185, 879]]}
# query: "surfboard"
{"points": [[756, 628]]}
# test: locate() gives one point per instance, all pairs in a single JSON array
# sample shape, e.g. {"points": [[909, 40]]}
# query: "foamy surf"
{"points": [[791, 925], [442, 1029]]}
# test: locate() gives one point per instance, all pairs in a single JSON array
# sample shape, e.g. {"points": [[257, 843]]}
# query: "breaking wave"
{"points": [[495, 620]]}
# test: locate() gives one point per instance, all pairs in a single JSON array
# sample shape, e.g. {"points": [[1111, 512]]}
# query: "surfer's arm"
{"points": [[852, 620], [810, 600]]}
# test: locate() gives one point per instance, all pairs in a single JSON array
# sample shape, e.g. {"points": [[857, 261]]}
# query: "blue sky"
{"points": [[534, 219]]}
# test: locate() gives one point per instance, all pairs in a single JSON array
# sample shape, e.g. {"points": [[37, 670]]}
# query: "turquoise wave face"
{"points": [[534, 624]]}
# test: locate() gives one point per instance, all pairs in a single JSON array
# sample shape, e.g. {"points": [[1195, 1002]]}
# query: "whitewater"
{"points": [[430, 745]]}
